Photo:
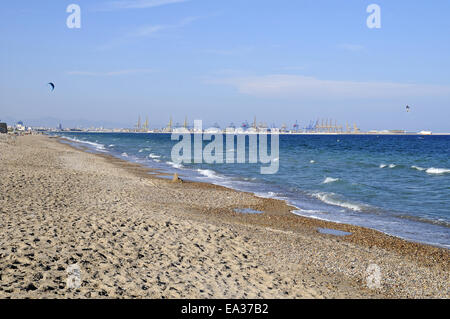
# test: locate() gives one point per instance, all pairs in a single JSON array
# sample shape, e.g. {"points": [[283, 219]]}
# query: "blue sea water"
{"points": [[399, 185]]}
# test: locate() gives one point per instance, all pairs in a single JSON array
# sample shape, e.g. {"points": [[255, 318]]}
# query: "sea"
{"points": [[396, 184]]}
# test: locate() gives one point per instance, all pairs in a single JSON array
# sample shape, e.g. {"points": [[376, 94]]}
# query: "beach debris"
{"points": [[176, 179], [52, 85], [373, 278], [73, 276]]}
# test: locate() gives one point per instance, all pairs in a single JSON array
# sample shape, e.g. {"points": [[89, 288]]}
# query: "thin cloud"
{"points": [[136, 4], [145, 31], [150, 30], [296, 86], [111, 73]]}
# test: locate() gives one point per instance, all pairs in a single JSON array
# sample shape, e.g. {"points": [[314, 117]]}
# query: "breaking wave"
{"points": [[386, 165], [97, 146], [330, 198], [175, 165], [208, 173], [433, 170], [330, 180]]}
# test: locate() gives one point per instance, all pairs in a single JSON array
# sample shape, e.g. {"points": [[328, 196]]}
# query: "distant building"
{"points": [[397, 131], [20, 126], [60, 128], [3, 128]]}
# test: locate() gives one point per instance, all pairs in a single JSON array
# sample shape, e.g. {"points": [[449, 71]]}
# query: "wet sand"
{"points": [[134, 235]]}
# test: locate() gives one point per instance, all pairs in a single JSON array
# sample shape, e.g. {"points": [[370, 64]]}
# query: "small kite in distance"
{"points": [[407, 108], [52, 85]]}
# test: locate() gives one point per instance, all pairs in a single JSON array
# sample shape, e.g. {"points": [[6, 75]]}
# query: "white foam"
{"points": [[433, 170], [385, 165], [153, 156], [266, 195], [328, 199], [208, 173], [312, 161], [98, 146], [330, 180], [418, 168], [174, 165], [124, 154], [144, 149], [310, 214], [308, 211]]}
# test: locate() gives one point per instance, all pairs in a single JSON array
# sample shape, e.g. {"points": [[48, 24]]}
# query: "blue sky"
{"points": [[227, 61]]}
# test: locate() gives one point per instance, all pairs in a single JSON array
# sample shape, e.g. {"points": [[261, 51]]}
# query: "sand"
{"points": [[134, 235]]}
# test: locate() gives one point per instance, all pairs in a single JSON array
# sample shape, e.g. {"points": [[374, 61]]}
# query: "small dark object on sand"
{"points": [[176, 179]]}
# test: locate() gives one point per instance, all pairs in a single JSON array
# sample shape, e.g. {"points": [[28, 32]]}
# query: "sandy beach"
{"points": [[133, 234]]}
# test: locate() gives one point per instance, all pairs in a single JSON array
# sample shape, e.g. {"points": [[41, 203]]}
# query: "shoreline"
{"points": [[278, 242], [281, 215], [292, 206]]}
